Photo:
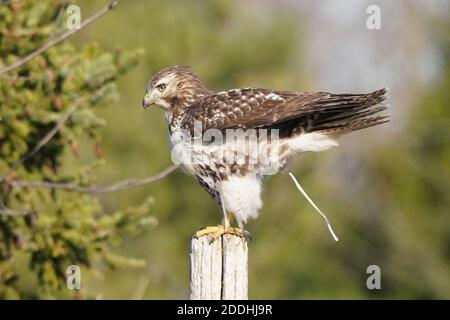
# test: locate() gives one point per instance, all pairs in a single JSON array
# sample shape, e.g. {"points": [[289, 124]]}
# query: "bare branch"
{"points": [[119, 186], [57, 40], [12, 213], [13, 78]]}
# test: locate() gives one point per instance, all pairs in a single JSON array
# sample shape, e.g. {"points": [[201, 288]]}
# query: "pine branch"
{"points": [[119, 186], [53, 42], [66, 115]]}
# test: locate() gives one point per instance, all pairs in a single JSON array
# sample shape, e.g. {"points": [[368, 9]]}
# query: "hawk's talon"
{"points": [[208, 230], [240, 233], [247, 235], [216, 232]]}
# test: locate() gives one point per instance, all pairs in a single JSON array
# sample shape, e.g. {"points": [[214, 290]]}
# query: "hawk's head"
{"points": [[172, 87]]}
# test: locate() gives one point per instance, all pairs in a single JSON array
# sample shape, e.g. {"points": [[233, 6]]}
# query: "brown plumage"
{"points": [[287, 111]]}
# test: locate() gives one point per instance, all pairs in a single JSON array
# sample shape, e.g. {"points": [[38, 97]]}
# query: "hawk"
{"points": [[303, 121]]}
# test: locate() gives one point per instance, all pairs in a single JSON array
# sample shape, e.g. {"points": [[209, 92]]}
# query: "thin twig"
{"points": [[13, 78], [12, 213], [324, 217], [119, 186], [141, 288], [57, 40]]}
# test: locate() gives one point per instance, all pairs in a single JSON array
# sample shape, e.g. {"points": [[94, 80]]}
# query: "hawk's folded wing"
{"points": [[311, 111]]}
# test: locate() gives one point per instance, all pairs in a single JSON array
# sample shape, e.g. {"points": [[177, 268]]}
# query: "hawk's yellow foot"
{"points": [[216, 232], [211, 230]]}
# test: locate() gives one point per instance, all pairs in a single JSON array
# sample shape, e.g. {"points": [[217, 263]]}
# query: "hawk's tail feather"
{"points": [[347, 116], [343, 113], [353, 125]]}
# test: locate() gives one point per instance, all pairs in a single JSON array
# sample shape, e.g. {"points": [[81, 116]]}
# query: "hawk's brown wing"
{"points": [[311, 111]]}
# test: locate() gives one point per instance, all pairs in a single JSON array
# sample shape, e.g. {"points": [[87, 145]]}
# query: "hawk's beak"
{"points": [[147, 101]]}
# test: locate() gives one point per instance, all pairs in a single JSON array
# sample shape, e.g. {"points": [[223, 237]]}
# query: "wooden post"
{"points": [[219, 270]]}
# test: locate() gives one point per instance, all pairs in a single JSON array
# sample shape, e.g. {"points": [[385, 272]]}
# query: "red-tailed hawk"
{"points": [[231, 169]]}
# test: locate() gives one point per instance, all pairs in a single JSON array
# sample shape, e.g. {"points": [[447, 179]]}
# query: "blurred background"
{"points": [[385, 189]]}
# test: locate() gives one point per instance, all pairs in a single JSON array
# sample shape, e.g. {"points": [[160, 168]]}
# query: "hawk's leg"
{"points": [[217, 231], [228, 218]]}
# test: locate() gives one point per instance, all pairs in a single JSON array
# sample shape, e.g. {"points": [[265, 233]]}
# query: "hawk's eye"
{"points": [[161, 87]]}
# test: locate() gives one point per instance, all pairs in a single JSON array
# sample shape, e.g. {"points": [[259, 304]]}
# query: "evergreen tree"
{"points": [[53, 229]]}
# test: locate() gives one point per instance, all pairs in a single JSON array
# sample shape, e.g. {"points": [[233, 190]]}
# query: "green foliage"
{"points": [[60, 229]]}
